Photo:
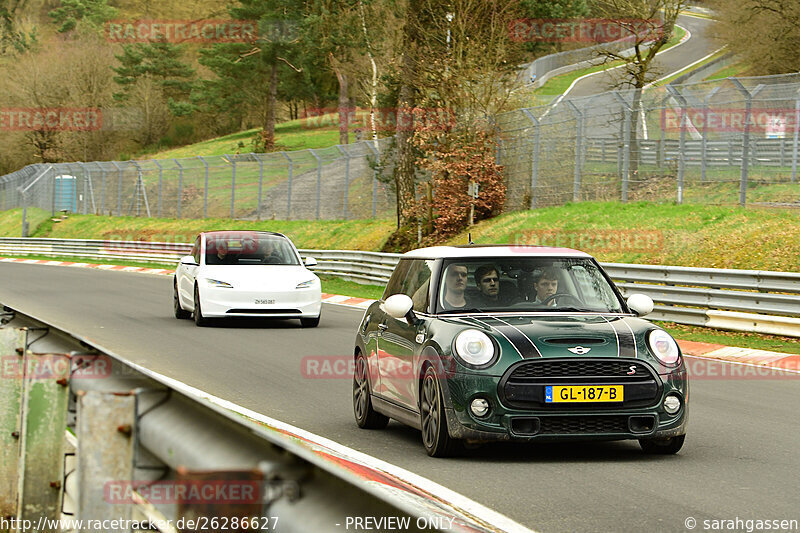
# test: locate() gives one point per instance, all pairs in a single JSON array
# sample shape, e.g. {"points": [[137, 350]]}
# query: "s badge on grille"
{"points": [[632, 370], [579, 350]]}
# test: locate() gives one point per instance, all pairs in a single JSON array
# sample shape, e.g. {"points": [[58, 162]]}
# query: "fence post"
{"points": [[682, 146], [180, 185], [119, 188], [102, 187], [796, 137], [232, 160], [576, 186], [88, 188], [346, 177], [289, 186], [260, 183], [160, 183], [626, 143], [704, 145], [745, 138], [534, 155], [319, 178], [205, 187], [375, 150]]}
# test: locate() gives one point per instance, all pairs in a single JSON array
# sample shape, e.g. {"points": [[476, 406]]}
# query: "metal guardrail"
{"points": [[764, 301], [142, 447]]}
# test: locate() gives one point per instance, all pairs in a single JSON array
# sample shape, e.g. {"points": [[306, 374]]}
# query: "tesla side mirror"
{"points": [[310, 261], [641, 304], [188, 260], [400, 306]]}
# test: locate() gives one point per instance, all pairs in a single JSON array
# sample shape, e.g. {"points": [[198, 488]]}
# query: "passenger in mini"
{"points": [[455, 285], [546, 285]]}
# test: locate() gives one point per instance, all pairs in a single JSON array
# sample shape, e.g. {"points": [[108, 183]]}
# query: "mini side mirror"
{"points": [[400, 306], [641, 304]]}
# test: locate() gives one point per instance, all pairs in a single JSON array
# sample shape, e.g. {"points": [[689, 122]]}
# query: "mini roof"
{"points": [[478, 251]]}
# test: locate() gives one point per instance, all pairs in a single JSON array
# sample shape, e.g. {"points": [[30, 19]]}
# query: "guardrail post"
{"points": [[205, 187], [537, 130], [232, 160], [180, 185], [105, 430], [319, 178], [796, 137], [346, 178], [576, 186], [45, 394], [12, 344]]}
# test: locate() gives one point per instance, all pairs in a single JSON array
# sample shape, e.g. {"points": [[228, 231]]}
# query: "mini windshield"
{"points": [[541, 284], [249, 248]]}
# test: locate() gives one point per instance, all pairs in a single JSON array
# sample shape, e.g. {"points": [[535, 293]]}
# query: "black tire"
{"points": [[366, 416], [666, 446], [180, 312], [310, 322], [199, 319], [435, 438]]}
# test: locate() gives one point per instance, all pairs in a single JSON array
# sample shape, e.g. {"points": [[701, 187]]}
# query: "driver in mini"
{"points": [[546, 286]]}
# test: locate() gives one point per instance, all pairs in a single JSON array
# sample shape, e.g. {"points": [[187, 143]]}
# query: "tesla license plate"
{"points": [[583, 393], [265, 302]]}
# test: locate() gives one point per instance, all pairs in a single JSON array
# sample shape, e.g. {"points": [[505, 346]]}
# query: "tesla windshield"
{"points": [[540, 284], [249, 249]]}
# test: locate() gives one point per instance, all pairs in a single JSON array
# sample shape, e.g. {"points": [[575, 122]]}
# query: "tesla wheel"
{"points": [[199, 319], [433, 420], [662, 446], [180, 312], [366, 416], [310, 322]]}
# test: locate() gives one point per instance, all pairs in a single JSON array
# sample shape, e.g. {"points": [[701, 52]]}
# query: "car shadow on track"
{"points": [[544, 452]]}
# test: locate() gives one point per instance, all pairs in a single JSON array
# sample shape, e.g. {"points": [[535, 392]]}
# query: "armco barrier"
{"points": [[142, 447], [757, 300]]}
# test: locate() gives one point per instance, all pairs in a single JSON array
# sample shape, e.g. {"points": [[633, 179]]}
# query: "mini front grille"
{"points": [[582, 425], [573, 368]]}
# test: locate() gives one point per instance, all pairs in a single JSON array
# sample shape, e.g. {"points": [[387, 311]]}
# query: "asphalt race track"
{"points": [[740, 459]]}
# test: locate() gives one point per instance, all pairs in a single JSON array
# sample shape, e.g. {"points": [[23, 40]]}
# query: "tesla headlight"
{"points": [[306, 284], [220, 284], [474, 347], [663, 346]]}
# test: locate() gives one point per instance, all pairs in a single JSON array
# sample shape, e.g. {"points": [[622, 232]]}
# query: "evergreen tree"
{"points": [[91, 13]]}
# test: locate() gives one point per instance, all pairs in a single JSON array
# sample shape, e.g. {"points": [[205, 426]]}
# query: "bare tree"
{"points": [[650, 25]]}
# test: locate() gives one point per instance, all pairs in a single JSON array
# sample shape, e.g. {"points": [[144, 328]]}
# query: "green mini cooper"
{"points": [[486, 343]]}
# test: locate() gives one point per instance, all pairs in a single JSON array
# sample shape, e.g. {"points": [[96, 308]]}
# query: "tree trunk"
{"points": [[404, 174], [269, 125], [344, 105]]}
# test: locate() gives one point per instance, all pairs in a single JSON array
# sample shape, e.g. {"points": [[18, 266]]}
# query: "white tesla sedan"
{"points": [[246, 274]]}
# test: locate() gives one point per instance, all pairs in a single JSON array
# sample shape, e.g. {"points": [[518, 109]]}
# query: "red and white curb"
{"points": [[746, 356], [118, 268]]}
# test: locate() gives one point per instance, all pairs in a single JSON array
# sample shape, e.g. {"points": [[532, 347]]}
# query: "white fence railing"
{"points": [[745, 300]]}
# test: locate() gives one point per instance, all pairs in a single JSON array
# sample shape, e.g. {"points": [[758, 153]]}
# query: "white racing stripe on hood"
{"points": [[614, 329]]}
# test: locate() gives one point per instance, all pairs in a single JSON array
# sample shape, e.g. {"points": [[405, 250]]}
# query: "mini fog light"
{"points": [[672, 404], [479, 407]]}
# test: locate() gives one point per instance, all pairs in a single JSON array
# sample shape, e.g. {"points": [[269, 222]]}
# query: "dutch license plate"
{"points": [[583, 393], [265, 302]]}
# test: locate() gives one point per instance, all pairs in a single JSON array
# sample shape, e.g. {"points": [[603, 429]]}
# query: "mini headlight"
{"points": [[217, 283], [306, 284], [663, 346], [474, 347]]}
